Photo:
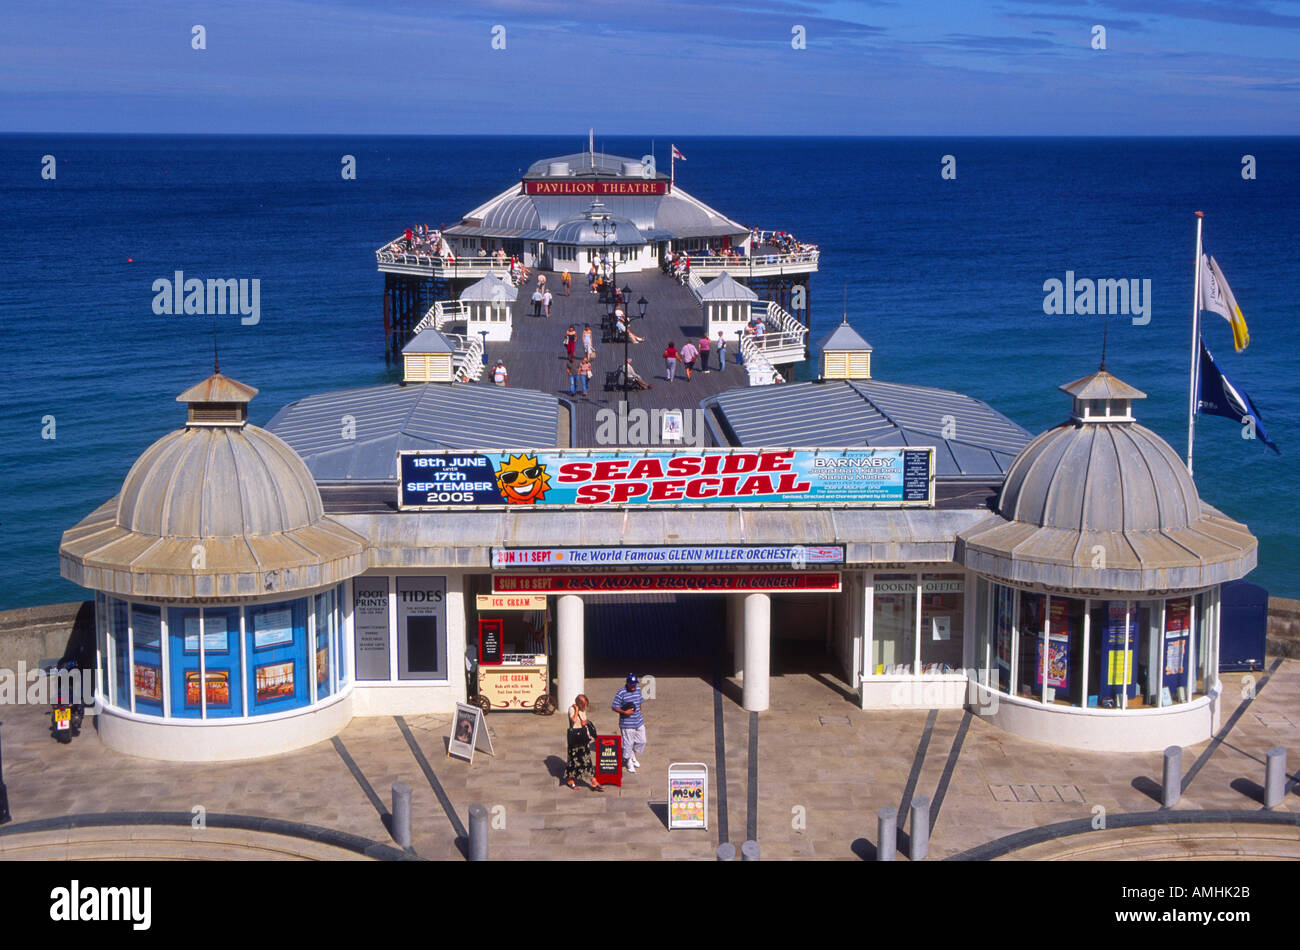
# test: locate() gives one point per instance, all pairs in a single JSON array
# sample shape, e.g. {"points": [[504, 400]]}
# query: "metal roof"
{"points": [[418, 416], [875, 413], [844, 337], [491, 289], [429, 340], [1102, 385], [726, 287], [582, 231]]}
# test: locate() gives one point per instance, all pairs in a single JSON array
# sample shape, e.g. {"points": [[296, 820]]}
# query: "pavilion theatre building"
{"points": [[257, 588]]}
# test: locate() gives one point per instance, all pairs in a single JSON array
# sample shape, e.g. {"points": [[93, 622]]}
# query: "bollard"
{"points": [[920, 827], [726, 851], [402, 815], [1173, 777], [887, 833], [478, 833], [1274, 776], [4, 792], [749, 851]]}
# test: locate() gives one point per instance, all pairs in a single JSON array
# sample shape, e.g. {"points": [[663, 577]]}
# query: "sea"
{"points": [[943, 274]]}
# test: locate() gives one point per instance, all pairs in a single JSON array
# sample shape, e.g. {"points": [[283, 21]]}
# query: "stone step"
{"points": [[166, 843]]}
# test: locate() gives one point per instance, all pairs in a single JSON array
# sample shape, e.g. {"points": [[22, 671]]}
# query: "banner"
{"points": [[676, 478], [775, 582], [620, 187], [669, 555]]}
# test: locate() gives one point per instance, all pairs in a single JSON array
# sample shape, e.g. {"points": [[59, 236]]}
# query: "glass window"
{"points": [[101, 646], [1004, 629], [184, 631], [276, 641], [943, 612], [893, 624], [1175, 651], [421, 628], [1064, 664], [1114, 639], [118, 626], [984, 629], [324, 637], [340, 638], [1207, 636], [1029, 629], [147, 674], [222, 671]]}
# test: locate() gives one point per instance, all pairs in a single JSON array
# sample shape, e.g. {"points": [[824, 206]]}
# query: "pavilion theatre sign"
{"points": [[619, 187], [874, 477]]}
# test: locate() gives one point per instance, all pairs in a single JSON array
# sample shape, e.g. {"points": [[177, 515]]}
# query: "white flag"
{"points": [[1216, 296]]}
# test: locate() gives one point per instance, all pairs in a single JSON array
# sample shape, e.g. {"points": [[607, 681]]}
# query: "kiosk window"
{"points": [[421, 628]]}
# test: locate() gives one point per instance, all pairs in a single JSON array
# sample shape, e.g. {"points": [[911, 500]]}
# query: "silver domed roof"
{"points": [[582, 232]]}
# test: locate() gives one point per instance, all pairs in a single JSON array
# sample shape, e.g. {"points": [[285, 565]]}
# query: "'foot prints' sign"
{"points": [[731, 477]]}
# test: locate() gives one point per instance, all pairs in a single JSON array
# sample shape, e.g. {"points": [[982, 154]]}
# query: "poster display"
{"points": [[421, 628], [1177, 636], [892, 477], [490, 631], [1003, 609], [609, 760], [214, 634], [468, 732], [146, 627], [272, 627], [1055, 666], [1119, 648], [148, 683], [688, 795], [516, 686], [370, 623], [701, 583], [218, 688], [274, 681]]}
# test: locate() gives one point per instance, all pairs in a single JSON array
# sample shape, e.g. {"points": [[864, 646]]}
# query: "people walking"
{"points": [[546, 304], [588, 346], [584, 373], [580, 734], [689, 355], [670, 360], [570, 340], [627, 703], [722, 351], [704, 354], [572, 369], [591, 277], [566, 281], [499, 375], [537, 303]]}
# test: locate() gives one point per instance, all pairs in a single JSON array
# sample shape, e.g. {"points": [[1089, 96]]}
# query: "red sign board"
{"points": [[620, 187], [609, 760], [489, 641], [758, 582]]}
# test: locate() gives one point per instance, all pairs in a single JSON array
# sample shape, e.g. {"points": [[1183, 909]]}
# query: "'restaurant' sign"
{"points": [[730, 477], [620, 187], [706, 583]]}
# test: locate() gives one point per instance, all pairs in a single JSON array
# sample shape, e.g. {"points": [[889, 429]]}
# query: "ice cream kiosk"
{"points": [[513, 670]]}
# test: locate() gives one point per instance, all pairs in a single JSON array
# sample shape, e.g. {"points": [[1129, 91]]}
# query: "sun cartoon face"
{"points": [[522, 480]]}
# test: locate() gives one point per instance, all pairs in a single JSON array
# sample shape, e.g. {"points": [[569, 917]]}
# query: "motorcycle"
{"points": [[66, 716]]}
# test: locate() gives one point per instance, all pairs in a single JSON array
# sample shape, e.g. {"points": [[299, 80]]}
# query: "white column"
{"points": [[570, 646], [758, 650], [736, 633]]}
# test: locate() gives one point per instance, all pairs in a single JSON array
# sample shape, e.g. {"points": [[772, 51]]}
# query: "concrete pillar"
{"points": [[1274, 776], [920, 827], [736, 629], [1171, 786], [886, 833], [570, 645], [402, 814], [758, 651], [478, 833]]}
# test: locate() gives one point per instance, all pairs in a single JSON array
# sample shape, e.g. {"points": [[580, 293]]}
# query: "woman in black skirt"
{"points": [[580, 734]]}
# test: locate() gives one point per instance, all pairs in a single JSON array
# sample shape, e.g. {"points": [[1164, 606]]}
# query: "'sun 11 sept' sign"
{"points": [[728, 477]]}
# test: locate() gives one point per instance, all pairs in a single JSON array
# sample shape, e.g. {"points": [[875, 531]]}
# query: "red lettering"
{"points": [[711, 463], [626, 490], [739, 464], [728, 486], [789, 482], [646, 468], [774, 461], [702, 488], [683, 465], [756, 485], [574, 472], [666, 491], [592, 495], [605, 471]]}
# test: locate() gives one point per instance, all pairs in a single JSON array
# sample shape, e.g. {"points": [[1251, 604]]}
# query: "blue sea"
{"points": [[944, 277]]}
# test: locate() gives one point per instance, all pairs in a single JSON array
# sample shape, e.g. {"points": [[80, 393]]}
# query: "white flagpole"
{"points": [[1194, 394], [672, 164]]}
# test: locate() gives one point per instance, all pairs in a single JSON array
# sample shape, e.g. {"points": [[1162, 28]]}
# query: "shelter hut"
{"points": [[727, 304], [429, 358], [489, 307]]}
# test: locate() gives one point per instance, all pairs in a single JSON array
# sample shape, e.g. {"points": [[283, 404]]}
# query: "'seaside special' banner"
{"points": [[682, 477], [783, 582]]}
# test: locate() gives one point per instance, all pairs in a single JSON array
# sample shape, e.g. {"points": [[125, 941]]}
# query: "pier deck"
{"points": [[535, 357]]}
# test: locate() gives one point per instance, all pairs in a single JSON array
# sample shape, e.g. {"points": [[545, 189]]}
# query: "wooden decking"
{"points": [[535, 357]]}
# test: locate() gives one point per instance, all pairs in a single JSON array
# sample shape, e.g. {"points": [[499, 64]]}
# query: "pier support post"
{"points": [[1173, 777], [887, 833], [402, 815], [570, 648], [758, 651], [1275, 776]]}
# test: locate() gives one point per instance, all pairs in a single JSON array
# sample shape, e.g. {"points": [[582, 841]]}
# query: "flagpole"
{"points": [[672, 165], [1193, 394]]}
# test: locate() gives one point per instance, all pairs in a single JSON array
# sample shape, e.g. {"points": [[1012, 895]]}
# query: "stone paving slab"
{"points": [[824, 769]]}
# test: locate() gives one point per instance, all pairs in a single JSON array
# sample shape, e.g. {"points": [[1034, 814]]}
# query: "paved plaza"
{"points": [[808, 785]]}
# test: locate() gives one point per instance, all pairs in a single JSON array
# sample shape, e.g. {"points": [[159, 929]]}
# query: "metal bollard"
{"points": [[887, 833], [1173, 776], [402, 814], [478, 833], [749, 851], [920, 827], [1274, 776], [726, 851]]}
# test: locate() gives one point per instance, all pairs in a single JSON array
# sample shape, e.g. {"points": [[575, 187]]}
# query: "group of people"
{"points": [[782, 241], [677, 264], [579, 373], [420, 239], [581, 732], [690, 352]]}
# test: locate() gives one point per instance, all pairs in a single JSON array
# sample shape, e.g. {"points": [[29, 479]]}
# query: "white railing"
{"points": [[442, 313], [443, 265], [778, 320], [757, 365], [695, 286], [467, 358], [758, 263]]}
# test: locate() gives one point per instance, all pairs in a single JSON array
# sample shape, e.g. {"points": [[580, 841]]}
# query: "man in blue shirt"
{"points": [[627, 703]]}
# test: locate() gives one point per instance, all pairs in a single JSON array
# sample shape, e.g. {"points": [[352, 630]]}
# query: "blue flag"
{"points": [[1217, 396]]}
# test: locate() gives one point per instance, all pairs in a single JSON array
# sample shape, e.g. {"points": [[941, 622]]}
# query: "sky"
{"points": [[747, 67]]}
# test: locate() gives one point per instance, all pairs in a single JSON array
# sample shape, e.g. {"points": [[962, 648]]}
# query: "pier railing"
{"points": [[467, 358], [760, 369], [757, 265], [426, 265]]}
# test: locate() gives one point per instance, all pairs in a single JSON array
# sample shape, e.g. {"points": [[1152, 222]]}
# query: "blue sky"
{"points": [[873, 67]]}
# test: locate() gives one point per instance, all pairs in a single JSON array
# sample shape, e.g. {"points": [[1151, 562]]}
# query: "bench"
{"points": [[613, 380]]}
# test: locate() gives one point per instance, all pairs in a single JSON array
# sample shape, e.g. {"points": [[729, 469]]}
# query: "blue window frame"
{"points": [[276, 641], [147, 676]]}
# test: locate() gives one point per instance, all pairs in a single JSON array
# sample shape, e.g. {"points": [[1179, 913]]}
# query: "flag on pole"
{"points": [[1219, 397], [678, 154], [1216, 296]]}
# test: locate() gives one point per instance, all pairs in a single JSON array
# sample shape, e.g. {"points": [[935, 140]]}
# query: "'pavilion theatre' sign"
{"points": [[619, 187]]}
